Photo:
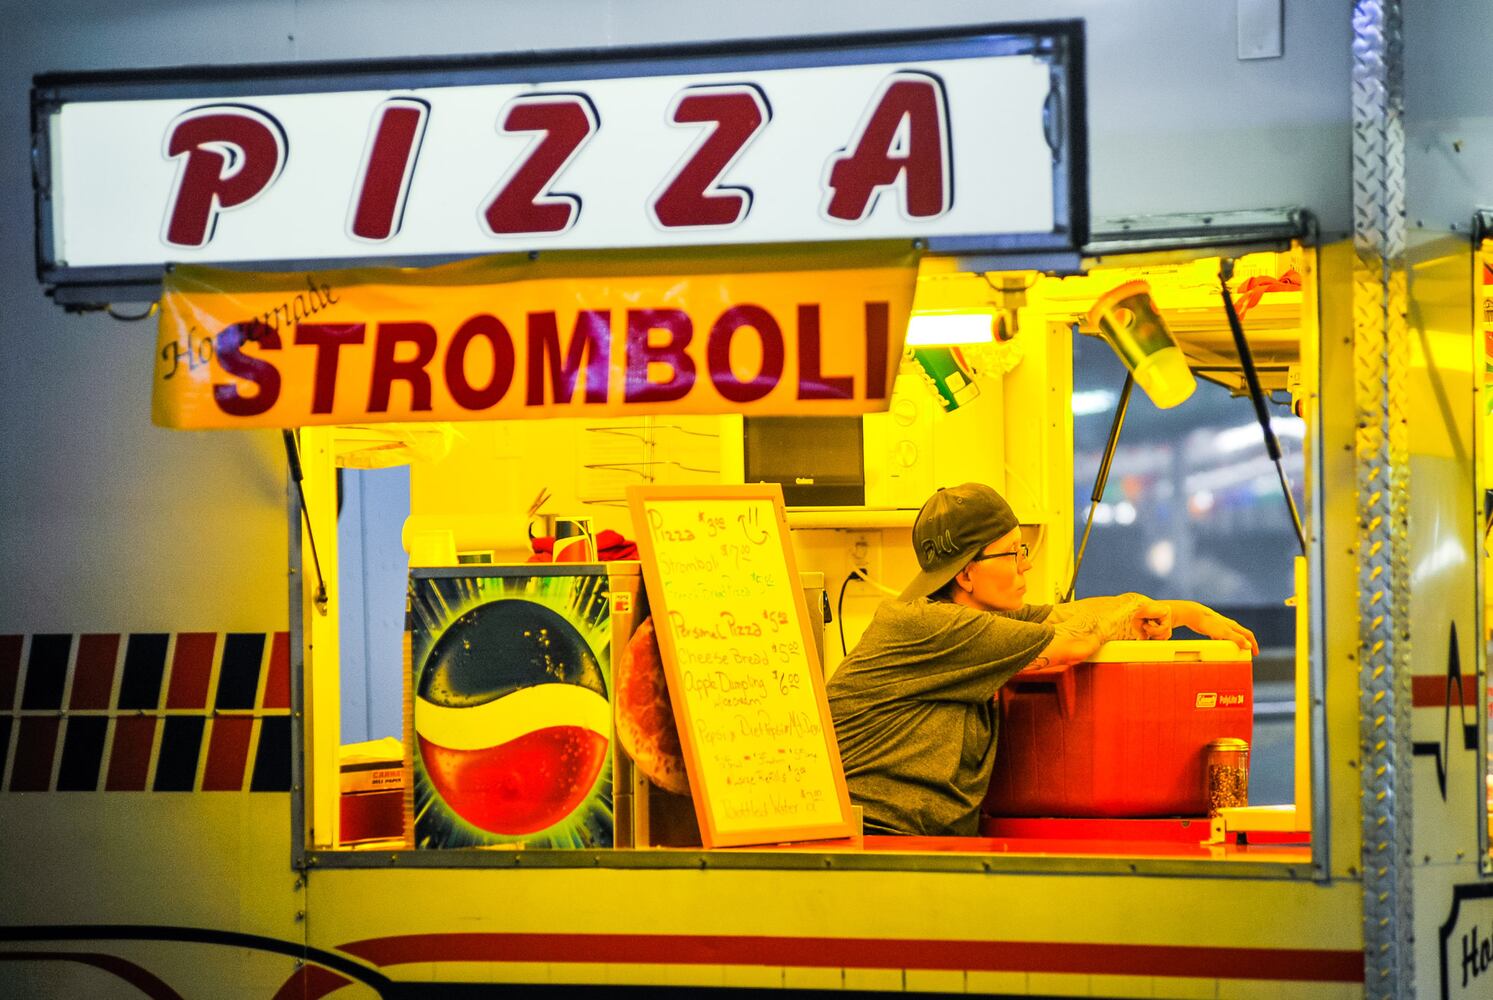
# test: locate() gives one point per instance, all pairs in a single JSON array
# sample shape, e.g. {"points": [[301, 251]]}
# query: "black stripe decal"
{"points": [[238, 677], [46, 671], [144, 665], [82, 750], [272, 761], [181, 742]]}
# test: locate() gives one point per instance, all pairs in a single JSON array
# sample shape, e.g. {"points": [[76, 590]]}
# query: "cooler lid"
{"points": [[1170, 651]]}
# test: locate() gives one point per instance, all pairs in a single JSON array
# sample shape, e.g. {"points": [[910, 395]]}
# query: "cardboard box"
{"points": [[1122, 734], [373, 784]]}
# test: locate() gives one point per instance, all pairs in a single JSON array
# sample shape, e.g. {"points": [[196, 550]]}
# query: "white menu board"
{"points": [[742, 667]]}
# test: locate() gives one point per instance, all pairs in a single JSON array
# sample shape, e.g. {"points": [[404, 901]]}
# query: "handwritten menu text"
{"points": [[748, 681]]}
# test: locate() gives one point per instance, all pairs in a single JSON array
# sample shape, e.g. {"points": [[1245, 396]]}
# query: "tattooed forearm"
{"points": [[1104, 618]]}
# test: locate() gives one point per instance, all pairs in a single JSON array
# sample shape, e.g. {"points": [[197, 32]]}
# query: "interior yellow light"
{"points": [[945, 328]]}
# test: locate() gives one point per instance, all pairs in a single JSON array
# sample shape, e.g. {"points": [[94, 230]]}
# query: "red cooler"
{"points": [[1122, 734]]}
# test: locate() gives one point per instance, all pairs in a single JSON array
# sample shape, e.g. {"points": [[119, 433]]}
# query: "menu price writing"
{"points": [[748, 683]]}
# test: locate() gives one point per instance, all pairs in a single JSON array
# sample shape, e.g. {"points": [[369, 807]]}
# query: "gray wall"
{"points": [[108, 523], [1448, 127], [372, 570]]}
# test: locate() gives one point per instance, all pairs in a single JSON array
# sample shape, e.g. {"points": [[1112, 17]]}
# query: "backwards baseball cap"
{"points": [[951, 529]]}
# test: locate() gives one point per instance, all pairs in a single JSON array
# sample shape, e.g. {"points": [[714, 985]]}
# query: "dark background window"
{"points": [[1193, 509]]}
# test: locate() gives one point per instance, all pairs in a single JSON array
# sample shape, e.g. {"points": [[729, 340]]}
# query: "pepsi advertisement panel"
{"points": [[511, 706]]}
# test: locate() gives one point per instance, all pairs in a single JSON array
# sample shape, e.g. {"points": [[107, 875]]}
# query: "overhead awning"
{"points": [[1169, 237]]}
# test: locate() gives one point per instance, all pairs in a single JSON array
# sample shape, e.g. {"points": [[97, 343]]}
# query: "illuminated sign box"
{"points": [[967, 139]]}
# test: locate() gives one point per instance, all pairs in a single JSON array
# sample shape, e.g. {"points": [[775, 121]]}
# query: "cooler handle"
{"points": [[1060, 682]]}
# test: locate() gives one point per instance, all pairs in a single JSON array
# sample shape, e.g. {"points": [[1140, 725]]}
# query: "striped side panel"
{"points": [[148, 711]]}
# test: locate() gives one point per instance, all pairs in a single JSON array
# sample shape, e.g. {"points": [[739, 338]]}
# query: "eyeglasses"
{"points": [[1022, 553]]}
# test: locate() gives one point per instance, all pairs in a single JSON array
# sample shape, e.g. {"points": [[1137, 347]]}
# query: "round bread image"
{"points": [[645, 716], [511, 717]]}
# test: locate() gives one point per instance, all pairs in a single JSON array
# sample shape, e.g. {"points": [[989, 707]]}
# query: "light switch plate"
{"points": [[1261, 29]]}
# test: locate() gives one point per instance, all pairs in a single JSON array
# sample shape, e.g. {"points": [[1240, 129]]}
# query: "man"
{"points": [[914, 702]]}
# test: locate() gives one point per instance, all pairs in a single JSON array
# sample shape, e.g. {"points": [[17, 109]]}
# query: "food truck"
{"points": [[527, 436]]}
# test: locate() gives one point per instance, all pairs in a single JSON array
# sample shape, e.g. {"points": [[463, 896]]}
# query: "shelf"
{"points": [[850, 518]]}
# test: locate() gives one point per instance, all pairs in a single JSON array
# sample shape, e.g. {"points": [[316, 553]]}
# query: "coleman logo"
{"points": [[1212, 699]]}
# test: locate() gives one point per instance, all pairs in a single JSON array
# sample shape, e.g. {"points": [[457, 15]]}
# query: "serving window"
{"points": [[1023, 396]]}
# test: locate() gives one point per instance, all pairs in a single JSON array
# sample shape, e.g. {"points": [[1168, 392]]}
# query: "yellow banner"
{"points": [[764, 331]]}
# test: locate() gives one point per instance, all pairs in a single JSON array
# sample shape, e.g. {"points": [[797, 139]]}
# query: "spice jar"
{"points": [[1226, 774]]}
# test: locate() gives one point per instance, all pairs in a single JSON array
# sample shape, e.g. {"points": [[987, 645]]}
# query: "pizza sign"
{"points": [[228, 156], [963, 138]]}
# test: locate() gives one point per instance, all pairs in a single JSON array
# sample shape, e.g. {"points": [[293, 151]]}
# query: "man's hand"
{"points": [[1205, 621], [1151, 620], [1217, 626]]}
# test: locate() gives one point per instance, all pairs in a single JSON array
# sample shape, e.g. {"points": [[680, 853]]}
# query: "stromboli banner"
{"points": [[765, 331]]}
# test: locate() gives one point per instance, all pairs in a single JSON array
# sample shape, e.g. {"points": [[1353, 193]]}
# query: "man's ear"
{"points": [[962, 580]]}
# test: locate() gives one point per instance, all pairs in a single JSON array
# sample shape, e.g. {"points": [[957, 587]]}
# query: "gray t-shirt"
{"points": [[913, 706]]}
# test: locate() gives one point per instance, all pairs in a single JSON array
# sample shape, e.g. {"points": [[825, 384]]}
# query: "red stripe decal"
{"points": [[36, 748], [310, 982], [1310, 965], [191, 669], [93, 676], [277, 683], [227, 754], [146, 982], [10, 669], [129, 764], [1432, 691]]}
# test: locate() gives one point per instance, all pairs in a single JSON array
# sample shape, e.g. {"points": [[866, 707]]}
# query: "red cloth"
{"points": [[610, 546], [1251, 291]]}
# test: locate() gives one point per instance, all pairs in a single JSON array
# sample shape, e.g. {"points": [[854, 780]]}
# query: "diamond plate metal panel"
{"points": [[1381, 357]]}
